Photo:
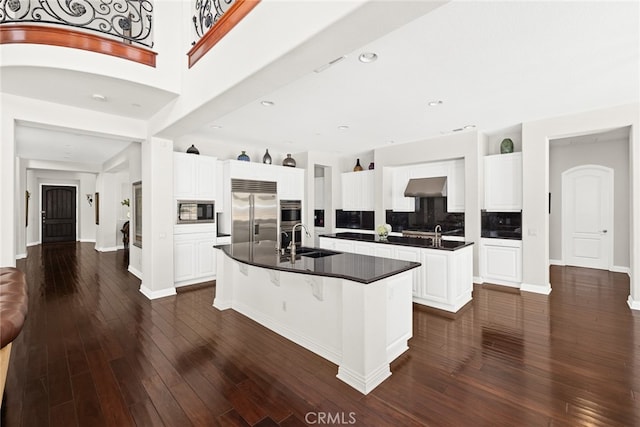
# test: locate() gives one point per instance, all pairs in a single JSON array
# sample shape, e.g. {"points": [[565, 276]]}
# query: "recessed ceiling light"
{"points": [[367, 57], [215, 127], [99, 97], [268, 103], [435, 103], [343, 127]]}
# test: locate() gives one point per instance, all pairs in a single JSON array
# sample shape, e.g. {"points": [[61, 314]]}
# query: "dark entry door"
{"points": [[58, 214]]}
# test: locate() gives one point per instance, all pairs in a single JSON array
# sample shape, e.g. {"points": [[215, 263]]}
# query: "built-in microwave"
{"points": [[193, 211]]}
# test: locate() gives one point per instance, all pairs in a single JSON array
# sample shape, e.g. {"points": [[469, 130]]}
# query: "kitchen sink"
{"points": [[314, 252], [318, 254]]}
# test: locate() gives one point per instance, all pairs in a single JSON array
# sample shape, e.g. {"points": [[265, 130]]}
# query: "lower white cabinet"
{"points": [[501, 261], [194, 258], [443, 281]]}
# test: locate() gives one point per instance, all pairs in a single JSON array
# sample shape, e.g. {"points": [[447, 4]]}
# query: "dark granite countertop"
{"points": [[223, 235], [358, 268], [445, 245]]}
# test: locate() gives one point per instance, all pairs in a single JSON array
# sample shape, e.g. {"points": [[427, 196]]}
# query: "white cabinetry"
{"points": [[501, 261], [443, 281], [455, 186], [503, 182], [407, 253], [290, 183], [194, 177], [358, 191], [194, 259], [399, 180]]}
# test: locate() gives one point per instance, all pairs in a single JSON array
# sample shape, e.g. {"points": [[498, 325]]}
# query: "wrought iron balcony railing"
{"points": [[208, 12], [130, 21]]}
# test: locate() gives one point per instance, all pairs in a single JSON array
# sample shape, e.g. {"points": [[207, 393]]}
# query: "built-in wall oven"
{"points": [[290, 215]]}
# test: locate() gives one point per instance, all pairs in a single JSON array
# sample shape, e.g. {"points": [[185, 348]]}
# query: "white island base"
{"points": [[360, 327]]}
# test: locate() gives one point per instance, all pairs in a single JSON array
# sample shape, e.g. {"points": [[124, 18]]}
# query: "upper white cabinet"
{"points": [[503, 182], [194, 176], [290, 180], [455, 186], [399, 180], [290, 183], [358, 191]]}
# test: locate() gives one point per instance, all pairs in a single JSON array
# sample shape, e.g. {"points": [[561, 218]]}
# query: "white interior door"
{"points": [[587, 216]]}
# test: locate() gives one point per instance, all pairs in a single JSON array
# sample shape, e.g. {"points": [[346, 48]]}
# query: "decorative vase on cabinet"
{"points": [[243, 157], [193, 150], [289, 161], [506, 146], [371, 166], [266, 159], [357, 167]]}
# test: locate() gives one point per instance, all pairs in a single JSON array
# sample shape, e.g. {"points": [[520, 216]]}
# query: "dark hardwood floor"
{"points": [[96, 352]]}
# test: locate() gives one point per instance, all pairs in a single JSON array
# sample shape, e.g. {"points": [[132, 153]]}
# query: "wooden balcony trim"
{"points": [[231, 17], [55, 36]]}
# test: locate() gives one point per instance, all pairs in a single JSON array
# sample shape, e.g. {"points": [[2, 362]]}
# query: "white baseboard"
{"points": [[135, 272], [557, 262], [620, 269], [195, 281], [33, 243], [107, 249], [633, 304], [21, 256], [157, 294], [479, 280], [87, 240], [537, 289]]}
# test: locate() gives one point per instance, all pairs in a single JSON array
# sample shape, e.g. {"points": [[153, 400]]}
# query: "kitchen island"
{"points": [[443, 281], [351, 309]]}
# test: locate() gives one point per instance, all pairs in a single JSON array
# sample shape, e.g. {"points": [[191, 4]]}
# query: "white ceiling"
{"points": [[61, 145], [493, 64]]}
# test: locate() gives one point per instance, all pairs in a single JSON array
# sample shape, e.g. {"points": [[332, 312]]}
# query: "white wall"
{"points": [[535, 182], [613, 154], [157, 218]]}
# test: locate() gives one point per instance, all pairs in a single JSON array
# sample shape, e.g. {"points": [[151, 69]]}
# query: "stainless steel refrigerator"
{"points": [[254, 211]]}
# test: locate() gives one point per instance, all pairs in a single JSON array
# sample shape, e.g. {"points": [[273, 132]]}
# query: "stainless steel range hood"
{"points": [[426, 187]]}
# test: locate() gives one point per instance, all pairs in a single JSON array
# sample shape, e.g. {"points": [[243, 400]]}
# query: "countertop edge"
{"points": [[314, 273], [438, 248]]}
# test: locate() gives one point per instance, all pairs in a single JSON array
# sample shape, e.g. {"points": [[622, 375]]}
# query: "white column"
{"points": [[7, 190], [364, 362], [157, 218]]}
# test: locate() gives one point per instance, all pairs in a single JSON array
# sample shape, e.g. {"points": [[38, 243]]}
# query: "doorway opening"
{"points": [[589, 211]]}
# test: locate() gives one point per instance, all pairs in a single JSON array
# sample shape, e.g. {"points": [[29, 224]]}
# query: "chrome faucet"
{"points": [[438, 236], [292, 244], [279, 247]]}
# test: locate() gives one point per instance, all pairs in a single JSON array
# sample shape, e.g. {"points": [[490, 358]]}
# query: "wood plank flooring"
{"points": [[96, 352]]}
